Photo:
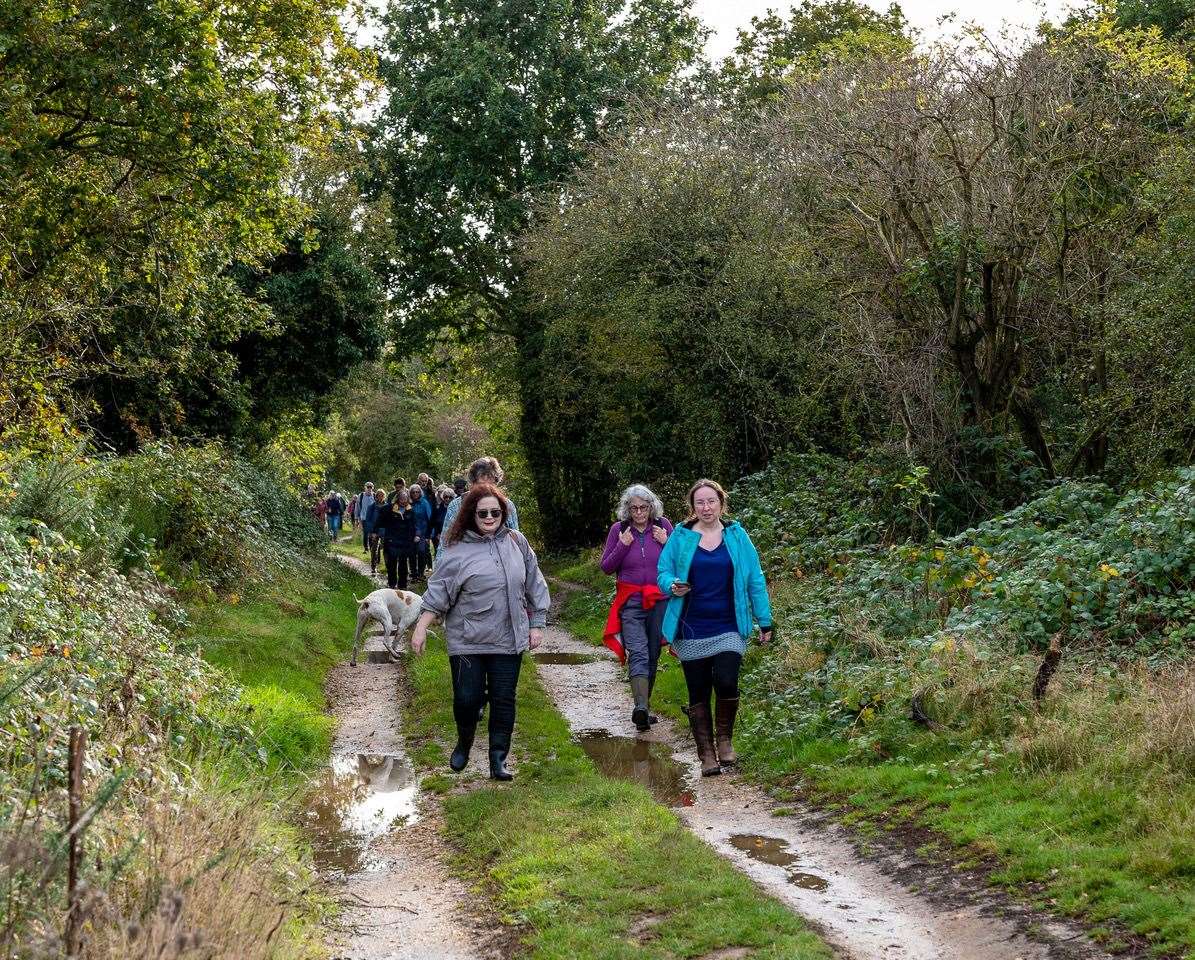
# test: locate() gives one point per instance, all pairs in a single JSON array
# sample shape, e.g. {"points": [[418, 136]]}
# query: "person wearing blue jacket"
{"points": [[423, 510], [710, 571]]}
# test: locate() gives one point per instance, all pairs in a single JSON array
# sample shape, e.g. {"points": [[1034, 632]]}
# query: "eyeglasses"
{"points": [[637, 507], [487, 514]]}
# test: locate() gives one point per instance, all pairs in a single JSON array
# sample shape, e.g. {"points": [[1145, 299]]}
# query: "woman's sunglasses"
{"points": [[484, 514]]}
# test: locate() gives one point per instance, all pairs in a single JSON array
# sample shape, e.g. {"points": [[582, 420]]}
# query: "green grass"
{"points": [[279, 650], [1087, 842], [592, 868]]}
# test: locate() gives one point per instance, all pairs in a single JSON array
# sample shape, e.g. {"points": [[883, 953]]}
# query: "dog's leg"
{"points": [[362, 619], [387, 630]]}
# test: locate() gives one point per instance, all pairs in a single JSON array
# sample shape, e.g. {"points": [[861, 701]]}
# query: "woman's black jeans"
{"points": [[718, 674], [472, 675]]}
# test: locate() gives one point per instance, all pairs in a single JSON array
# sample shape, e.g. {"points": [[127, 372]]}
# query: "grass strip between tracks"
{"points": [[594, 869]]}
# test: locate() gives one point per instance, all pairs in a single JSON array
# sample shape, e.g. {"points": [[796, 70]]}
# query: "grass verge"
{"points": [[1086, 842], [592, 868]]}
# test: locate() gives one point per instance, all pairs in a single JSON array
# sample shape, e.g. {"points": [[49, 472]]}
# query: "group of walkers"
{"points": [[402, 528], [698, 587]]}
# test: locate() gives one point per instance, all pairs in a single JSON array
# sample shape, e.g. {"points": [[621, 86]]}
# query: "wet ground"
{"points": [[858, 903], [648, 764], [360, 799], [376, 839]]}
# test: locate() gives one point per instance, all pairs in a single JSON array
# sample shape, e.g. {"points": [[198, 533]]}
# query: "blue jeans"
{"points": [[334, 522], [472, 675]]}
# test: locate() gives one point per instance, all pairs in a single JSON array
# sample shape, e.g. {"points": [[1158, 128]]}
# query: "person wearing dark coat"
{"points": [[395, 524]]}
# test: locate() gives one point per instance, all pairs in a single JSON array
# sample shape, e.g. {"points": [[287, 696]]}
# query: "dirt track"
{"points": [[401, 903]]}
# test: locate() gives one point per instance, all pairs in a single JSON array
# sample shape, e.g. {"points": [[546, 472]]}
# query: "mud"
{"points": [[859, 905], [377, 838], [648, 764]]}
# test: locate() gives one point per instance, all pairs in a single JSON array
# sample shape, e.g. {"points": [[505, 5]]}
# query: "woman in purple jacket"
{"points": [[632, 554]]}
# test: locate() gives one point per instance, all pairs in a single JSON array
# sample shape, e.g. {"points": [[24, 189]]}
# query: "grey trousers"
{"points": [[641, 632]]}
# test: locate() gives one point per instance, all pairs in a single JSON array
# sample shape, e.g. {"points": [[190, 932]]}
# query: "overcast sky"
{"points": [[725, 16]]}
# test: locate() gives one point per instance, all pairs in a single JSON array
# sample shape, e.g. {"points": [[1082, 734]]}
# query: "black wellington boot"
{"points": [[464, 743], [498, 769]]}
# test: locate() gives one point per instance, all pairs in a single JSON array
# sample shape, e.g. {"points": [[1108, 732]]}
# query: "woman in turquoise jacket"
{"points": [[710, 571]]}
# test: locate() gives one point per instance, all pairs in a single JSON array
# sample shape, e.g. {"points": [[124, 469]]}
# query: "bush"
{"points": [[94, 556], [882, 629]]}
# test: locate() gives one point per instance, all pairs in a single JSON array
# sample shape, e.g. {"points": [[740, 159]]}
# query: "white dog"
{"points": [[395, 610]]}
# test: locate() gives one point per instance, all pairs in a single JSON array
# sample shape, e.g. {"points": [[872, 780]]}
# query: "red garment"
{"points": [[651, 595]]}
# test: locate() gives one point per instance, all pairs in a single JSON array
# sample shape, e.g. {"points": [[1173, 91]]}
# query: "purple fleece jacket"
{"points": [[636, 563]]}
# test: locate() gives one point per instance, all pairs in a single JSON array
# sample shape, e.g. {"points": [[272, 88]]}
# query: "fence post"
{"points": [[78, 748]]}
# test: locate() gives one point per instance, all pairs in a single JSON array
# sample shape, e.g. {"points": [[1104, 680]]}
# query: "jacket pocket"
{"points": [[476, 619]]}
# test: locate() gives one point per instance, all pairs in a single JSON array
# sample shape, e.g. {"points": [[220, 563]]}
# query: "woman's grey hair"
{"points": [[655, 507]]}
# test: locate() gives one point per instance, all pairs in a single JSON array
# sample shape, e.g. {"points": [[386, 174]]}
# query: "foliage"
{"points": [[905, 249], [145, 150], [689, 349], [774, 50], [434, 414], [94, 554], [487, 101]]}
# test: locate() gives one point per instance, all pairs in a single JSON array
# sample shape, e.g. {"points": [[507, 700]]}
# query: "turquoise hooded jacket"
{"points": [[751, 604]]}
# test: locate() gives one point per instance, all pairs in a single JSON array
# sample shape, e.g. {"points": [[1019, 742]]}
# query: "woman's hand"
{"points": [[626, 538], [535, 638], [659, 534], [679, 589], [419, 638], [765, 636]]}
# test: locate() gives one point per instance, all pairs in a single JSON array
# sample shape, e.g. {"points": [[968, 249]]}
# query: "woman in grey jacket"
{"points": [[488, 590]]}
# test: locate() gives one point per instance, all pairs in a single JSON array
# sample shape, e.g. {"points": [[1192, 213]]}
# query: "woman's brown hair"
{"points": [[466, 519], [713, 485]]}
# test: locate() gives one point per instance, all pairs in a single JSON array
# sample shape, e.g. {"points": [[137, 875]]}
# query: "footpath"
{"points": [[379, 840]]}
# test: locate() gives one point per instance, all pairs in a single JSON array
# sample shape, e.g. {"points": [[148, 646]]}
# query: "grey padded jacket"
{"points": [[482, 588]]}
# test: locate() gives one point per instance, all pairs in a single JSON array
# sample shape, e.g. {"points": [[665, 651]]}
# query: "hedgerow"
{"points": [[99, 558]]}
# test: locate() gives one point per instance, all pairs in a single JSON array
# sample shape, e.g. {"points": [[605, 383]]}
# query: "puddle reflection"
{"points": [[774, 851], [360, 798], [639, 761]]}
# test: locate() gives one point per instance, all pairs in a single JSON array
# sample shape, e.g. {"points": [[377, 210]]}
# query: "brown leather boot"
{"points": [[703, 733], [724, 714]]}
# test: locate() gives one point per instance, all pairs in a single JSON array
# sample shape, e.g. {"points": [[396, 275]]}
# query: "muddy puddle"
{"points": [[359, 799], [564, 659], [648, 764], [774, 851]]}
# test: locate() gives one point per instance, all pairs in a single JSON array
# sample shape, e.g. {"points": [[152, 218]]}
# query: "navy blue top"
{"points": [[710, 610]]}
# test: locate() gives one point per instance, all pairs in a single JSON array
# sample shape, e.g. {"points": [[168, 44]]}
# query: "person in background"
{"points": [[444, 496], [365, 502], [484, 470], [351, 512], [633, 547], [371, 521], [710, 570], [399, 484], [321, 511], [334, 505], [421, 505], [395, 524], [428, 486], [459, 486], [488, 590]]}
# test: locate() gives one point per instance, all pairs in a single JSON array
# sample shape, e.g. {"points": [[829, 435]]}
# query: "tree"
{"points": [[487, 101], [982, 201], [775, 50], [688, 328], [145, 151]]}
